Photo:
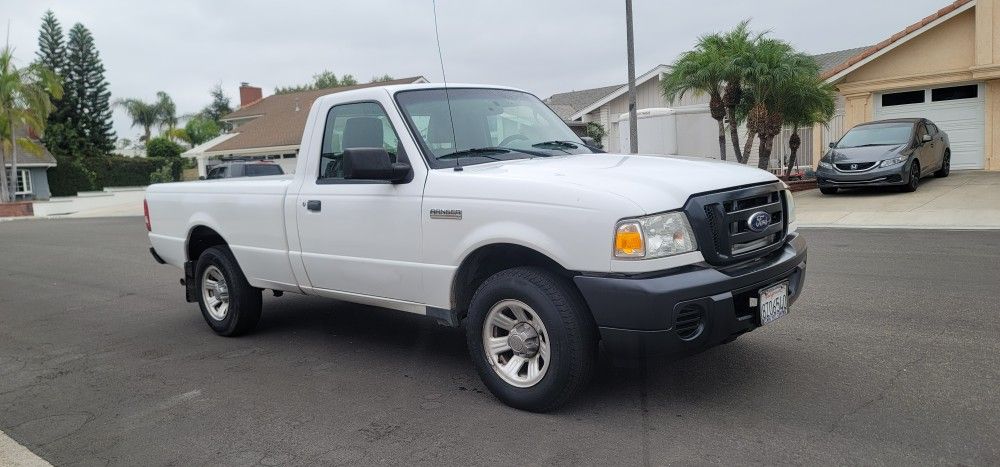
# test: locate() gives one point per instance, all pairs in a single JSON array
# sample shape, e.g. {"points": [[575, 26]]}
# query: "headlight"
{"points": [[825, 165], [894, 161], [790, 207], [654, 236]]}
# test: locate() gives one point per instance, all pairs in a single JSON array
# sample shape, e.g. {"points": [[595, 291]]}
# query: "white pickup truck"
{"points": [[478, 206]]}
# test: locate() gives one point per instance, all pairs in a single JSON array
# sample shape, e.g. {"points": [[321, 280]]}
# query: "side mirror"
{"points": [[374, 164], [926, 139], [832, 144]]}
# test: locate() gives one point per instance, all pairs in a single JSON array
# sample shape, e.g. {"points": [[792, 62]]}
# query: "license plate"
{"points": [[773, 302]]}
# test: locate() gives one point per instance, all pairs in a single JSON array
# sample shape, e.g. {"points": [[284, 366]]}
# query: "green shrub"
{"points": [[163, 147], [162, 175], [113, 171], [69, 177]]}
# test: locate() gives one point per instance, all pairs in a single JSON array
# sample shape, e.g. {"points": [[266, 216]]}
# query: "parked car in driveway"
{"points": [[896, 152], [478, 206], [236, 169]]}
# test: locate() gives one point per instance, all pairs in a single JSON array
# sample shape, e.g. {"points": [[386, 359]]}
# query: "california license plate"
{"points": [[773, 302]]}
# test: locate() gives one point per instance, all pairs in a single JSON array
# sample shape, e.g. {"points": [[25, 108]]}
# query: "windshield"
{"points": [[878, 134], [259, 170], [483, 125]]}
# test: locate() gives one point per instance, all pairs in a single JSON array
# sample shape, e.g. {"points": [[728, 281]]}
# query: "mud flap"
{"points": [[190, 285]]}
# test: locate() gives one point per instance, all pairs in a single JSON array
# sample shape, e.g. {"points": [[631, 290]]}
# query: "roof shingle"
{"points": [[280, 118], [566, 104]]}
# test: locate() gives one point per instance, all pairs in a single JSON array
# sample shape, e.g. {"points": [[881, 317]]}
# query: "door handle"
{"points": [[314, 205]]}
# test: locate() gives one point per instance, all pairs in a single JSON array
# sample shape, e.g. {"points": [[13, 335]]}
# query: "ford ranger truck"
{"points": [[477, 206]]}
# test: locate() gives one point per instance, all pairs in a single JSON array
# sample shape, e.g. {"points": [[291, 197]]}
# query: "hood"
{"points": [[865, 154], [654, 183]]}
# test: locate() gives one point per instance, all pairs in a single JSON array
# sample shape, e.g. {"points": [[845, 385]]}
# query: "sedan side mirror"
{"points": [[374, 164], [832, 144], [926, 138]]}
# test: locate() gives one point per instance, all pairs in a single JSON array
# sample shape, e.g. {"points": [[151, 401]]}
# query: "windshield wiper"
{"points": [[871, 144], [565, 144], [476, 152]]}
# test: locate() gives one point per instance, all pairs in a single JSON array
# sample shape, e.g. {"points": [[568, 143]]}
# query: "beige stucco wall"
{"points": [[962, 49]]}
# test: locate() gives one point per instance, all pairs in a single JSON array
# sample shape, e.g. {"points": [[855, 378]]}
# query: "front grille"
{"points": [[855, 166], [722, 222], [690, 321]]}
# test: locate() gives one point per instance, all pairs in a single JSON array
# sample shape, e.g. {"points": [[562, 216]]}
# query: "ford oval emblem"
{"points": [[759, 221]]}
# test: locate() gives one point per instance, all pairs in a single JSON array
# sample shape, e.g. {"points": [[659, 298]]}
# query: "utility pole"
{"points": [[633, 124]]}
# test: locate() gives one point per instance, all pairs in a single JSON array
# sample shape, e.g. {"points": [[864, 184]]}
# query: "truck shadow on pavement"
{"points": [[720, 375]]}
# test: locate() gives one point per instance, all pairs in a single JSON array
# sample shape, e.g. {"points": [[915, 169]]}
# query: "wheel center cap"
{"points": [[523, 340]]}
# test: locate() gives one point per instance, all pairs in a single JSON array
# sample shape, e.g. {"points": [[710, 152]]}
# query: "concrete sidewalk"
{"points": [[963, 200]]}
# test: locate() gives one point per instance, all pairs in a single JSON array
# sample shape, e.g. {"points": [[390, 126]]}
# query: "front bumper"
{"points": [[636, 315], [889, 176]]}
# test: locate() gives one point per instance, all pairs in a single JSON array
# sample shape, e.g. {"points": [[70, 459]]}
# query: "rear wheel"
{"points": [[945, 166], [828, 190], [914, 181], [531, 338], [229, 304]]}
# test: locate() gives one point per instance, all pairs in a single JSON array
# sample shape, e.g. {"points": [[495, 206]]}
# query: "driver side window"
{"points": [[358, 125]]}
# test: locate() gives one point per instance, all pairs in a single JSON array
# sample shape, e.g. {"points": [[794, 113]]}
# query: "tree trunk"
{"points": [[722, 140], [731, 99], [766, 142], [148, 135], [3, 176], [734, 135], [747, 147], [794, 142], [13, 160]]}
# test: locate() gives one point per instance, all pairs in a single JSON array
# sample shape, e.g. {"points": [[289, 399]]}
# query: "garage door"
{"points": [[958, 110]]}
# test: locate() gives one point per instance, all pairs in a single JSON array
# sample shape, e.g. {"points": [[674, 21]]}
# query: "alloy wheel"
{"points": [[516, 343], [215, 293]]}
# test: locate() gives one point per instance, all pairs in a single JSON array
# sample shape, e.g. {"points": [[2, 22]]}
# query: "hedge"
{"points": [[95, 173]]}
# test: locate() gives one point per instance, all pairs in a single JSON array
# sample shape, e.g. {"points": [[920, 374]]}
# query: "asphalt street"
{"points": [[892, 356]]}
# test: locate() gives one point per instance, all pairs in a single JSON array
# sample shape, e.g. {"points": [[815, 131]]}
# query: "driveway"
{"points": [[887, 359], [964, 200]]}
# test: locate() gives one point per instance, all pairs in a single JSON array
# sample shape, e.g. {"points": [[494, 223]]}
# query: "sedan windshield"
{"points": [[878, 134], [470, 126]]}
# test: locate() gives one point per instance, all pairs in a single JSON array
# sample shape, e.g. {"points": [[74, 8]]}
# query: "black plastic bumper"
{"points": [[636, 316]]}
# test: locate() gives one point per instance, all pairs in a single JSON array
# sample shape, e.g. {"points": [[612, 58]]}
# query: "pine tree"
{"points": [[52, 55], [87, 95]]}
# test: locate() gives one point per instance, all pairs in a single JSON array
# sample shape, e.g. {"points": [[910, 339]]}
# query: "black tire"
{"points": [[914, 181], [244, 300], [572, 336], [828, 190], [945, 165]]}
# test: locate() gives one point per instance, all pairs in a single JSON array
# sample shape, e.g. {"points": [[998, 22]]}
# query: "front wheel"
{"points": [[229, 304], [914, 181], [531, 338]]}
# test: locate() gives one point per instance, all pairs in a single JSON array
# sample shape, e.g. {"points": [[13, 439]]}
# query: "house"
{"points": [[32, 171], [694, 121], [268, 127], [945, 67]]}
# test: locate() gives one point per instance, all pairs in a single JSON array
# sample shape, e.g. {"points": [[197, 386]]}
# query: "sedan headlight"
{"points": [[654, 236], [894, 161], [825, 165]]}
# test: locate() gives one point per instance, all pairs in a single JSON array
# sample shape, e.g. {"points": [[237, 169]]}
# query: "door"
{"points": [[360, 236], [926, 151], [959, 111]]}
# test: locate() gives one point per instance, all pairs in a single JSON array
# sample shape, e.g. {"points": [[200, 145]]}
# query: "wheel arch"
{"points": [[490, 259], [200, 238]]}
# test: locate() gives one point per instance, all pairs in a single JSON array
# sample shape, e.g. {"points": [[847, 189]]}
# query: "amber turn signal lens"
{"points": [[628, 241]]}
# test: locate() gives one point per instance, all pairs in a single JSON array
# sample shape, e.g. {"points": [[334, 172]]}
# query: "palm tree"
{"points": [[25, 102], [168, 112], [773, 65], [735, 49], [807, 101], [142, 113], [699, 72]]}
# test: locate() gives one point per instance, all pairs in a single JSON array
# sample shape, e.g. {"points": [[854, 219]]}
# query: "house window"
{"points": [[902, 98], [955, 92], [23, 182]]}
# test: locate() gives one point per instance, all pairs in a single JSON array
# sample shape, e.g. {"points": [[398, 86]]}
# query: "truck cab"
{"points": [[478, 207]]}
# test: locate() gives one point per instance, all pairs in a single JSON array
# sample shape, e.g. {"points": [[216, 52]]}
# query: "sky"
{"points": [[185, 47]]}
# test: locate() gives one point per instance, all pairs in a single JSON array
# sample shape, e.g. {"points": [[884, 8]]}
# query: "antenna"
{"points": [[447, 96]]}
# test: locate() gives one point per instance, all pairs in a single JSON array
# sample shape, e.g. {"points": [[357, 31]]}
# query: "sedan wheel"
{"points": [[914, 182]]}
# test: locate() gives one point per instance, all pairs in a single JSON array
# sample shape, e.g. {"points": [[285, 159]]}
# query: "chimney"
{"points": [[249, 94]]}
